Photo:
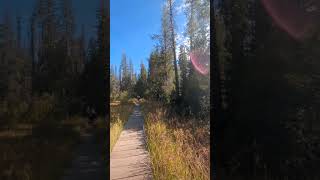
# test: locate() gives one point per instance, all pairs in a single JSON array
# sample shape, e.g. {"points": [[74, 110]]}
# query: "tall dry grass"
{"points": [[179, 147], [119, 114]]}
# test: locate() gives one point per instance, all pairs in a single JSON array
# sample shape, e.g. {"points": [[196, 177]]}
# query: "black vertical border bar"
{"points": [[107, 150], [215, 103], [212, 164]]}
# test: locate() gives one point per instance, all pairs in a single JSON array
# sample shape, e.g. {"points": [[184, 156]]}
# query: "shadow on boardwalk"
{"points": [[129, 158]]}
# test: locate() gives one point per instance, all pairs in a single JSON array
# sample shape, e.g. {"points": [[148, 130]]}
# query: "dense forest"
{"points": [[53, 72], [172, 78], [266, 89], [48, 77]]}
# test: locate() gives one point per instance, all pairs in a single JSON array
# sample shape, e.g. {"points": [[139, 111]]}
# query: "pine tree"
{"points": [[67, 24], [131, 70], [173, 47], [183, 64], [124, 71], [18, 32], [198, 31], [143, 73], [157, 76], [82, 50], [141, 85], [165, 57], [114, 85], [8, 31], [33, 50]]}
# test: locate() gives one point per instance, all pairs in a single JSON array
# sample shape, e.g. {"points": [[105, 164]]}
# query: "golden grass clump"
{"points": [[179, 148], [119, 115]]}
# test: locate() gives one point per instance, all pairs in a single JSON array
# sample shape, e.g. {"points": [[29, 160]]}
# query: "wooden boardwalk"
{"points": [[129, 157]]}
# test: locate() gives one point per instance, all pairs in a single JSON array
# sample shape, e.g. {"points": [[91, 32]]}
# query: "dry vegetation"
{"points": [[40, 154], [179, 147], [120, 113]]}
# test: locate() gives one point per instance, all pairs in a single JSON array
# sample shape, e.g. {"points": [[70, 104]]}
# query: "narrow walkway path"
{"points": [[129, 157], [88, 164]]}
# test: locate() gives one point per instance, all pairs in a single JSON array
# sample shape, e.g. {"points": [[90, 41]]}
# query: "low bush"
{"points": [[133, 101], [124, 96]]}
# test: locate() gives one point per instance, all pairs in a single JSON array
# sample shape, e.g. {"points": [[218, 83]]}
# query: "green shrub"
{"points": [[124, 96]]}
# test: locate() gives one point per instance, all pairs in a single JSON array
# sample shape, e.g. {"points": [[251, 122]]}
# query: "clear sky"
{"points": [[84, 12], [132, 23]]}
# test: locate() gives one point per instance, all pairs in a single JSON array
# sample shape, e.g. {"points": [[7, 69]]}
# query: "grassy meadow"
{"points": [[179, 147]]}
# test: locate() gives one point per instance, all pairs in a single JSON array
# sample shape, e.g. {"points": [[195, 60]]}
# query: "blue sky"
{"points": [[84, 11], [132, 23]]}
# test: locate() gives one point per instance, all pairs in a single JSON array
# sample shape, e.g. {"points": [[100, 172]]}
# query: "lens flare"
{"points": [[294, 18], [200, 61]]}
